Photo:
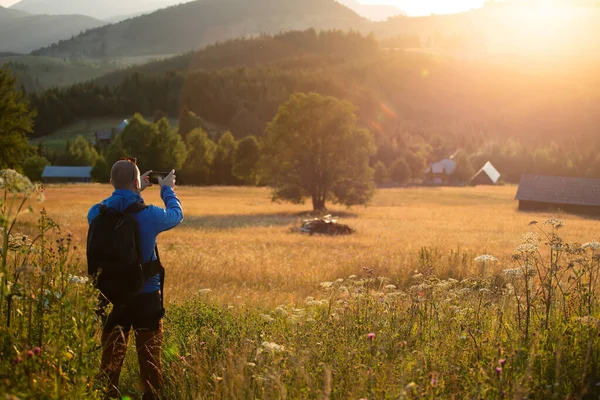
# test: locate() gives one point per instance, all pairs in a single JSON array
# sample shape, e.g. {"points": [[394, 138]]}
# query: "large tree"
{"points": [[16, 121], [314, 148]]}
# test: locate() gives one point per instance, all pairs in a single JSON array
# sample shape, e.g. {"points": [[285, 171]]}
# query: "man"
{"points": [[144, 311]]}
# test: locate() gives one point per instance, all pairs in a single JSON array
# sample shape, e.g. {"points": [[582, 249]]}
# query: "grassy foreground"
{"points": [[403, 309]]}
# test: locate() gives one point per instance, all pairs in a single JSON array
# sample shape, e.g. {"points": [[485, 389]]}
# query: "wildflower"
{"points": [[17, 360], [498, 371], [502, 361], [183, 358], [273, 347], [13, 182], [343, 289], [339, 280], [390, 287], [281, 311], [485, 291], [371, 336], [554, 222], [485, 258], [352, 277], [78, 279], [30, 353], [251, 364], [527, 248], [417, 276], [204, 291], [433, 381], [37, 350], [326, 285], [593, 245]]}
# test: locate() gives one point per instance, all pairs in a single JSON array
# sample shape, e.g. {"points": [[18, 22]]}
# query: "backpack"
{"points": [[114, 254]]}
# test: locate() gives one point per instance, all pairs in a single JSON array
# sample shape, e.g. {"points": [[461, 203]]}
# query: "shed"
{"points": [[572, 195], [441, 172], [488, 175], [67, 174]]}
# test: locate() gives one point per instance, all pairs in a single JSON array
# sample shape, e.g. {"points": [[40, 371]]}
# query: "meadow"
{"points": [[404, 308], [238, 243]]}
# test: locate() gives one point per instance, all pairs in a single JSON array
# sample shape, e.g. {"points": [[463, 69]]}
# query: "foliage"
{"points": [[314, 148], [33, 167], [464, 169], [224, 158], [155, 145], [16, 121], [80, 153], [47, 319], [380, 174], [197, 169], [246, 159], [101, 171], [400, 171]]}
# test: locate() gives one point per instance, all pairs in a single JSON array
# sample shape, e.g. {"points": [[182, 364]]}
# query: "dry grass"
{"points": [[237, 243]]}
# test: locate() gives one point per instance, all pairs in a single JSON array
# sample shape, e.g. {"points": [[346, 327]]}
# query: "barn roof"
{"points": [[105, 134], [490, 171], [67, 172], [447, 166], [559, 190]]}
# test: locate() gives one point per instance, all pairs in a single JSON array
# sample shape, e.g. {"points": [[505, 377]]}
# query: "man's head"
{"points": [[125, 175]]}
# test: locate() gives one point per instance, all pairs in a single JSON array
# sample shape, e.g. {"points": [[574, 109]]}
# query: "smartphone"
{"points": [[154, 176]]}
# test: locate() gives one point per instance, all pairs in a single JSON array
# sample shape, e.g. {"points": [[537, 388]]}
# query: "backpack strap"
{"points": [[153, 267]]}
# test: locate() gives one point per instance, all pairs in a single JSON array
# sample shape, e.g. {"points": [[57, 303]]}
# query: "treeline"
{"points": [[420, 109], [198, 159]]}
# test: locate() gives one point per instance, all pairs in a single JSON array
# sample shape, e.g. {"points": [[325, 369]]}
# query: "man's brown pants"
{"points": [[148, 332]]}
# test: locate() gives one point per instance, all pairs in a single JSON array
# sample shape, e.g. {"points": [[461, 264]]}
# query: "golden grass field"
{"points": [[238, 243]]}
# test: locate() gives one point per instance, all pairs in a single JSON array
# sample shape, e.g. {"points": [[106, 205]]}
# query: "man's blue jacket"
{"points": [[151, 221]]}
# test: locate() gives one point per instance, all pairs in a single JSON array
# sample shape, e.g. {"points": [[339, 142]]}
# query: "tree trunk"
{"points": [[318, 203]]}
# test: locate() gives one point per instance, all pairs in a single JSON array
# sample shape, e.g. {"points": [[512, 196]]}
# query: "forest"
{"points": [[524, 117]]}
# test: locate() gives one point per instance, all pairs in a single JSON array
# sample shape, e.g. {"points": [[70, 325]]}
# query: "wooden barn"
{"points": [[572, 195], [488, 175], [67, 175]]}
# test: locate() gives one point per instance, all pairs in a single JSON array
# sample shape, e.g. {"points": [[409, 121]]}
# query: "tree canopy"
{"points": [[16, 121], [315, 149]]}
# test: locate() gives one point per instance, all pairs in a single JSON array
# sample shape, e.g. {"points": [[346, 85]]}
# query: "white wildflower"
{"points": [[417, 276], [78, 279], [452, 281], [326, 285], [273, 347], [593, 245], [340, 280], [485, 291], [352, 277], [343, 289], [308, 299], [251, 364], [267, 318], [390, 287], [554, 222], [527, 248], [281, 311], [485, 258]]}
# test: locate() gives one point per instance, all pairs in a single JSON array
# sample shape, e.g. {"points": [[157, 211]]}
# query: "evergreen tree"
{"points": [[168, 147], [246, 158], [381, 173], [400, 171], [16, 121]]}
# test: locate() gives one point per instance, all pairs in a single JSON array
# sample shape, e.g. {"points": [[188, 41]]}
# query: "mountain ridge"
{"points": [[373, 12], [196, 24]]}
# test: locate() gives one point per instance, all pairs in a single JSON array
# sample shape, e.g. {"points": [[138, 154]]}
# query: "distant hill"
{"points": [[7, 13], [100, 9], [373, 12], [194, 25], [22, 33]]}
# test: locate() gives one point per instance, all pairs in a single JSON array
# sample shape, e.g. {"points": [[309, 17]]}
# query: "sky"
{"points": [[411, 7]]}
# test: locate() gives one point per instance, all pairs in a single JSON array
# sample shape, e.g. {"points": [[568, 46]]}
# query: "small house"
{"points": [[67, 175], [441, 172], [572, 195], [488, 175], [104, 137]]}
